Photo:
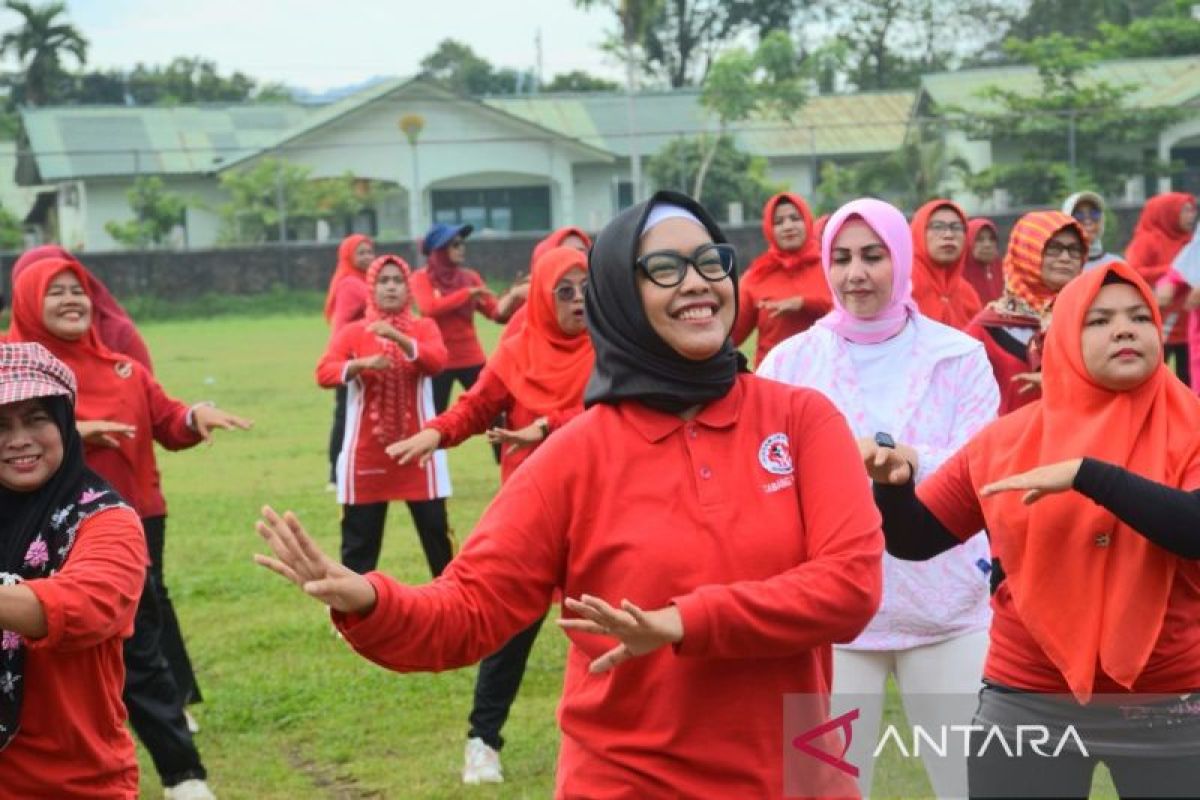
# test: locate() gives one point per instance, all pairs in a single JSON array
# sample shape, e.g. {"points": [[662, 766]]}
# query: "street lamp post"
{"points": [[412, 125]]}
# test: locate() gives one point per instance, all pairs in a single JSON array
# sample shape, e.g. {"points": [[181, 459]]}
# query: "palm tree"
{"points": [[39, 44]]}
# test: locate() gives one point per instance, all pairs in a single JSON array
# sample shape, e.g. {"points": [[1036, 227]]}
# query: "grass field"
{"points": [[290, 711]]}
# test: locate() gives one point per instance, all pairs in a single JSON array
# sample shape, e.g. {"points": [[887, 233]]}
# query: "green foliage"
{"points": [[578, 81], [11, 235], [922, 169], [1171, 31], [156, 213], [274, 191], [732, 176], [460, 69], [279, 301], [1037, 127], [40, 45], [182, 81]]}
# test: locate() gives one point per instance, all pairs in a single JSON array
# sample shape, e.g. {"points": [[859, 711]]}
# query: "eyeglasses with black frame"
{"points": [[566, 292], [1055, 249], [667, 268]]}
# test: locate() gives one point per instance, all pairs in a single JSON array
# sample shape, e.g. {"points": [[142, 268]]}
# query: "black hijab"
{"points": [[632, 361], [37, 531]]}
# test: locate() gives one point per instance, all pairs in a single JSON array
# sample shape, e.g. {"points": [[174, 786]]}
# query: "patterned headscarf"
{"points": [[38, 527]]}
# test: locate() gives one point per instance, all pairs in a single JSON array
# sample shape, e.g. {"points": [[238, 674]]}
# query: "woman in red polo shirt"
{"points": [[450, 292], [386, 361], [73, 562], [784, 291], [1094, 621], [536, 379], [122, 412], [691, 622]]}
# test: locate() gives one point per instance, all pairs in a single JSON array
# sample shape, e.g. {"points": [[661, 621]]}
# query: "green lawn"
{"points": [[290, 711]]}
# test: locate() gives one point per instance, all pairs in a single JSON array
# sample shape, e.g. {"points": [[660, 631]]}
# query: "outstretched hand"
{"points": [[516, 440], [420, 446], [1038, 482], [299, 560], [103, 433], [1029, 381], [639, 632], [206, 418]]}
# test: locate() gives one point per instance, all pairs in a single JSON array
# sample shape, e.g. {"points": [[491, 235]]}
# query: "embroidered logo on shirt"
{"points": [[124, 369], [775, 455]]}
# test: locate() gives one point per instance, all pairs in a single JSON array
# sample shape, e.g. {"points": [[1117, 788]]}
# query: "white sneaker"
{"points": [[191, 789], [193, 725], [481, 764]]}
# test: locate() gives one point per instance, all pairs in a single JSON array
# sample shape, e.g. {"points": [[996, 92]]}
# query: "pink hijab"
{"points": [[889, 224]]}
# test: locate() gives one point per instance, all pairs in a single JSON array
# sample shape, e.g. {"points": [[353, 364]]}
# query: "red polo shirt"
{"points": [[753, 519], [458, 331]]}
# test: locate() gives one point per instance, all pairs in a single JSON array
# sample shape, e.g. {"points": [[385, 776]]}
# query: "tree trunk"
{"points": [[705, 163]]}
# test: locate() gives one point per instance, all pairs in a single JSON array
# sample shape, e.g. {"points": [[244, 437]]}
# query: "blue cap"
{"points": [[441, 234]]}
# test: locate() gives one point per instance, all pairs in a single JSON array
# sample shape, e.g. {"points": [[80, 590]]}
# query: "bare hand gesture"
{"points": [[377, 361], [891, 466], [528, 436], [1029, 381], [420, 446], [205, 418], [639, 632], [1037, 482], [787, 305], [387, 330], [103, 433], [299, 560]]}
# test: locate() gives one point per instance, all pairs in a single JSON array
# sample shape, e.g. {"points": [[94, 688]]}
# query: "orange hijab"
{"points": [[516, 322], [1157, 238], [544, 369], [808, 256], [941, 292], [1086, 604], [1026, 297], [103, 376], [345, 269]]}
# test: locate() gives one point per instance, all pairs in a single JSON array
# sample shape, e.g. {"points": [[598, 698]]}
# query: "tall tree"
{"points": [[734, 176], [156, 214], [578, 81], [41, 42]]}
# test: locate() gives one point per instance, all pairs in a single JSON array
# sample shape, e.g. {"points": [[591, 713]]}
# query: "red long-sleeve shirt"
{"points": [[132, 469], [1006, 366], [753, 519], [366, 474], [349, 302], [475, 409], [778, 284], [458, 332], [73, 742]]}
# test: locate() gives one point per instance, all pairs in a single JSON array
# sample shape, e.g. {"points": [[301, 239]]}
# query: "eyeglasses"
{"points": [[567, 292], [1095, 215], [1056, 249], [666, 268], [947, 227]]}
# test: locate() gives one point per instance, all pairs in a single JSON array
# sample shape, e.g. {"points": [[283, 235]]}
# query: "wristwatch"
{"points": [[885, 440], [544, 424]]}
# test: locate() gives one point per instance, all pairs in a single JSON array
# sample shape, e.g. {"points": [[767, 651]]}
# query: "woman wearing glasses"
{"points": [[536, 378], [1087, 208], [1045, 252], [939, 236], [691, 622], [450, 292]]}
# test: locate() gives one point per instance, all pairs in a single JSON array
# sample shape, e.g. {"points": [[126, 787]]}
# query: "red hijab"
{"points": [[544, 369], [941, 291], [985, 277], [103, 375], [391, 405], [345, 269], [517, 321], [807, 257], [113, 324], [1157, 238], [1082, 603]]}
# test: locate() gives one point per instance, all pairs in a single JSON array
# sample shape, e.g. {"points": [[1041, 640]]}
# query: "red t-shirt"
{"points": [[779, 284], [73, 742], [475, 409], [349, 302], [132, 468], [752, 519], [458, 331], [365, 472], [1014, 658]]}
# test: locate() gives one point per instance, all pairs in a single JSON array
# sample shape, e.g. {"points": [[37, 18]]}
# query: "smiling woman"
{"points": [[679, 638]]}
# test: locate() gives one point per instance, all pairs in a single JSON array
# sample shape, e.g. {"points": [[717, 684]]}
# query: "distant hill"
{"points": [[309, 97]]}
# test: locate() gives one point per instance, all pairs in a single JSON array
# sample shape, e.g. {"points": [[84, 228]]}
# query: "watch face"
{"points": [[885, 440]]}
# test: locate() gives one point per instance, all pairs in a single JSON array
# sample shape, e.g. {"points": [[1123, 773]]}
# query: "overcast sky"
{"points": [[318, 44]]}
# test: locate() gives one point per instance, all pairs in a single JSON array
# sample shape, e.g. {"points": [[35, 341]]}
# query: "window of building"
{"points": [[524, 208]]}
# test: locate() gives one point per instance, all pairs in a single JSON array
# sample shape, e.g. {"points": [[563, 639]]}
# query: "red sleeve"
{"points": [[349, 303], [431, 350], [834, 593], [559, 418], [332, 365], [429, 304], [168, 417], [94, 596], [498, 585], [950, 496], [487, 305], [474, 410], [747, 316], [133, 345]]}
